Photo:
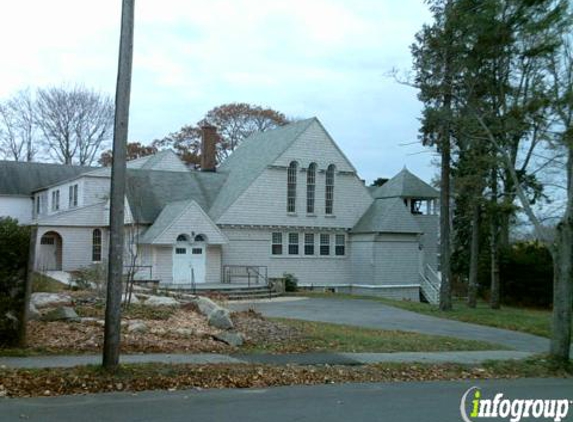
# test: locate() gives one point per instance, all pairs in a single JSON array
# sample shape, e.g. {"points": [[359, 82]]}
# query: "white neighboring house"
{"points": [[286, 201]]}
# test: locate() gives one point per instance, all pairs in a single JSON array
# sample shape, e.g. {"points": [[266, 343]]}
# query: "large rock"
{"points": [[137, 327], [134, 300], [205, 305], [33, 313], [63, 313], [231, 338], [220, 318], [46, 300], [161, 301], [183, 332]]}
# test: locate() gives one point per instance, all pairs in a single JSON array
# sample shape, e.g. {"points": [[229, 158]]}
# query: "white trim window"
{"points": [[329, 191], [310, 188], [291, 187], [277, 243], [340, 245], [56, 200], [38, 204], [73, 196], [309, 243], [293, 245], [324, 244]]}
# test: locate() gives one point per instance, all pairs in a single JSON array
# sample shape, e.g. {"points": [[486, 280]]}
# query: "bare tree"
{"points": [[76, 123], [17, 127]]}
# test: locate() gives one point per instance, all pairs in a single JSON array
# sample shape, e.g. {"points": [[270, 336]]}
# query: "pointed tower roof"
{"points": [[405, 185]]}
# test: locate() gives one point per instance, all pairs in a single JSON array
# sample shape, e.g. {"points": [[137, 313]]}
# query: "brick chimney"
{"points": [[208, 147]]}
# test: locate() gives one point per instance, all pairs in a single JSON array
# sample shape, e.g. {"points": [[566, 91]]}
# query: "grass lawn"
{"points": [[43, 283], [532, 321], [324, 337]]}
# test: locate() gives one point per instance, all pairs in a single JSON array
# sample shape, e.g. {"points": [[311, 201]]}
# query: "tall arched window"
{"points": [[310, 188], [329, 192], [96, 245], [291, 187]]}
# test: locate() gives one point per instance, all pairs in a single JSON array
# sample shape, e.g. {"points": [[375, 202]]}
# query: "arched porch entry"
{"points": [[50, 252], [189, 259]]}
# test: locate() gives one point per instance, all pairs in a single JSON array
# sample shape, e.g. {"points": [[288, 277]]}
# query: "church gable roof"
{"points": [[249, 160]]}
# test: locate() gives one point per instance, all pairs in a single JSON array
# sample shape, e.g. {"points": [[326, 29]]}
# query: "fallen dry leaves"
{"points": [[51, 382], [182, 331]]}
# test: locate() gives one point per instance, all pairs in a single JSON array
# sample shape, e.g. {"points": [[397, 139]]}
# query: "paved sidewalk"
{"points": [[65, 361]]}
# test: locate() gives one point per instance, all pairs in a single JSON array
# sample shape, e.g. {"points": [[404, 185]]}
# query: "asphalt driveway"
{"points": [[372, 314]]}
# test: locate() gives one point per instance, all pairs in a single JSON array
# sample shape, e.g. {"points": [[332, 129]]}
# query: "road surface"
{"points": [[392, 402]]}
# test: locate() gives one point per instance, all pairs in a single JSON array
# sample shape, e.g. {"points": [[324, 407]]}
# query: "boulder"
{"points": [[220, 318], [137, 327], [46, 300], [183, 332], [161, 301], [134, 299], [231, 338], [205, 305], [33, 313], [63, 313]]}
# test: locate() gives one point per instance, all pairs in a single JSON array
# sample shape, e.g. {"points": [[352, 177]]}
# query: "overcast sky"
{"points": [[323, 58]]}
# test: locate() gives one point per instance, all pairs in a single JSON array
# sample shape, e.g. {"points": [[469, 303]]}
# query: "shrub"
{"points": [[14, 248], [291, 282], [526, 273], [93, 277]]}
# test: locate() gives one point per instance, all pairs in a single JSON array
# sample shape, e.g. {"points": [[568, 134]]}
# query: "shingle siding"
{"points": [[76, 246], [253, 247], [264, 202], [397, 260]]}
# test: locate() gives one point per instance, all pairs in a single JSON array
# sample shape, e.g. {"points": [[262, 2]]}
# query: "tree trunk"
{"points": [[494, 300], [474, 256], [562, 291], [112, 329], [24, 314], [445, 287], [563, 271]]}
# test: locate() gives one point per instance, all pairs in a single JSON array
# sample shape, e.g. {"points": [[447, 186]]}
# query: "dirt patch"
{"points": [[260, 331]]}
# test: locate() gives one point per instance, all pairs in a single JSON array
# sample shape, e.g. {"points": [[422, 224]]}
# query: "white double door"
{"points": [[189, 262]]}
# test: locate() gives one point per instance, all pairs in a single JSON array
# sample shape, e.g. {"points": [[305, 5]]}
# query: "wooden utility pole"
{"points": [[112, 331]]}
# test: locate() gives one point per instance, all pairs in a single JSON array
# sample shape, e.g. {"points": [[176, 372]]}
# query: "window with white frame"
{"points": [[324, 244], [329, 190], [56, 200], [310, 188], [277, 244], [38, 205], [340, 245], [73, 196], [309, 243], [291, 186], [293, 243]]}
